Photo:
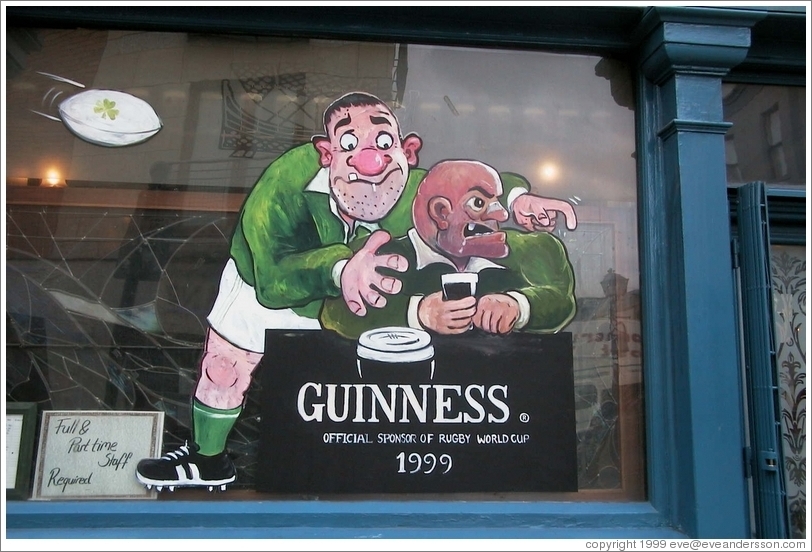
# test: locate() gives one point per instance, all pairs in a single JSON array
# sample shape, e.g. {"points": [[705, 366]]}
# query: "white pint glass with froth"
{"points": [[395, 354]]}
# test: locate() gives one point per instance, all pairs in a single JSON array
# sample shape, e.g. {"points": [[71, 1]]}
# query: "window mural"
{"points": [[153, 275], [288, 255]]}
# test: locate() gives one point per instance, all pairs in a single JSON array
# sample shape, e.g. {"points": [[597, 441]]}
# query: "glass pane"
{"points": [[788, 265], [117, 240], [767, 141]]}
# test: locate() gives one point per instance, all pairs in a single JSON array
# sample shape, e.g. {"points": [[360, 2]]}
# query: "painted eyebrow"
{"points": [[380, 120], [483, 191], [343, 122]]}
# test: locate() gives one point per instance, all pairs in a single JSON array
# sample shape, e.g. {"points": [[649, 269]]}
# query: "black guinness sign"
{"points": [[400, 411]]}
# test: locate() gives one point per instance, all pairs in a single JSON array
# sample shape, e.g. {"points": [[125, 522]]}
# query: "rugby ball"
{"points": [[109, 118]]}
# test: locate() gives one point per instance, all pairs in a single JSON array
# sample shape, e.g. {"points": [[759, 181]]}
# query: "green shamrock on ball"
{"points": [[106, 108]]}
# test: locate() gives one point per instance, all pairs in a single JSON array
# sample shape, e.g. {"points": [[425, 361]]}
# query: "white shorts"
{"points": [[238, 316]]}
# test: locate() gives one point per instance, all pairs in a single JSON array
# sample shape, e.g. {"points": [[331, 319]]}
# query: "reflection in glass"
{"points": [[767, 141]]}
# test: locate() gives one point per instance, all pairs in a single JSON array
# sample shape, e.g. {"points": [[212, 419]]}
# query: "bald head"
{"points": [[457, 211]]}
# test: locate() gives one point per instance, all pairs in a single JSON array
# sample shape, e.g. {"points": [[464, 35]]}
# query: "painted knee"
{"points": [[225, 373], [220, 370]]}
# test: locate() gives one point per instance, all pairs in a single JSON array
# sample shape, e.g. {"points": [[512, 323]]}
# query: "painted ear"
{"points": [[322, 144], [439, 211], [411, 145]]}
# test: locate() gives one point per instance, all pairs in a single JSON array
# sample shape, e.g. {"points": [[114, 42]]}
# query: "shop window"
{"points": [[788, 273], [115, 250]]}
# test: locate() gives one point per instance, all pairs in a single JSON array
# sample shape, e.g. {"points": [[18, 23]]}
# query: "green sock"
{"points": [[211, 427]]}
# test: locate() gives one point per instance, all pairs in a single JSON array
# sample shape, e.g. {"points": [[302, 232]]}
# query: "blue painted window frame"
{"points": [[693, 414]]}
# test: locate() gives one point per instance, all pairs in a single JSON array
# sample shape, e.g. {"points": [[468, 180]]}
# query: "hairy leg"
{"points": [[225, 373]]}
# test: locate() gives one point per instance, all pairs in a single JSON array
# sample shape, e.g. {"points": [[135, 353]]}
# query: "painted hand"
{"points": [[536, 213], [496, 313], [362, 284], [446, 317]]}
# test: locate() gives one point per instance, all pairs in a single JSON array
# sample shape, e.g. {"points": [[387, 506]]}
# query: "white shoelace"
{"points": [[175, 454]]}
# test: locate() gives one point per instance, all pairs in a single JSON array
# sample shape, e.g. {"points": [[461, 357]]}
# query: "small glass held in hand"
{"points": [[459, 285]]}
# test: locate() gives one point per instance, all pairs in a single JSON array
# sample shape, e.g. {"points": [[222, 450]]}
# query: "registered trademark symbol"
{"points": [[524, 417]]}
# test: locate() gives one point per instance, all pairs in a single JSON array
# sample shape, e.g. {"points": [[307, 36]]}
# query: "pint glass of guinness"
{"points": [[395, 354], [458, 285]]}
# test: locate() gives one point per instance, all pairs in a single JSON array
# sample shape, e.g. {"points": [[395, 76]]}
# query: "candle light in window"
{"points": [[53, 179]]}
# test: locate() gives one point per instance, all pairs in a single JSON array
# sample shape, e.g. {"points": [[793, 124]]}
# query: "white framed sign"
{"points": [[88, 454]]}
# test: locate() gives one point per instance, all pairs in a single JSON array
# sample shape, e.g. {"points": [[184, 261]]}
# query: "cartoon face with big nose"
{"points": [[457, 211], [368, 161]]}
